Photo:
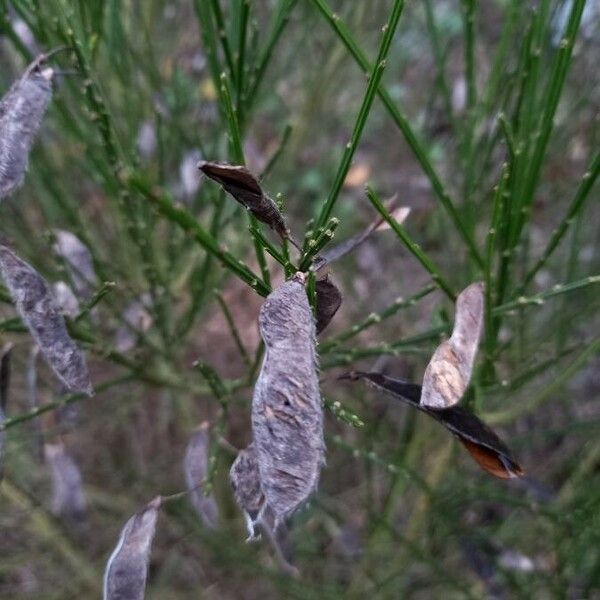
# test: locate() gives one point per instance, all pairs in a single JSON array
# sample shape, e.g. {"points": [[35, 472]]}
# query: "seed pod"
{"points": [[287, 414], [137, 319], [21, 113], [127, 568], [245, 481], [41, 315], [482, 443], [244, 187], [244, 477], [4, 387], [195, 466], [68, 498], [66, 299], [78, 259], [449, 371], [329, 299]]}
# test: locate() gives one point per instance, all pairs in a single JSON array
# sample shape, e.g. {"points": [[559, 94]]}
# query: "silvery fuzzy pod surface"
{"points": [[195, 466], [79, 261], [244, 478], [40, 313], [21, 113], [68, 497], [66, 299], [127, 568], [287, 414]]}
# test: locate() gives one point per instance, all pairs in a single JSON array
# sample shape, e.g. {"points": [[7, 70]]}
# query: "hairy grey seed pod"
{"points": [[68, 497], [21, 113], [42, 316], [195, 466], [245, 482], [287, 414], [127, 568], [78, 260], [244, 477]]}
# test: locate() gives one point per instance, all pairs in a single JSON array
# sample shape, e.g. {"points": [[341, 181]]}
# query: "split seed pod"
{"points": [[244, 477], [195, 466], [244, 187], [245, 483], [127, 568], [329, 300], [21, 112], [449, 371], [40, 313], [287, 413], [482, 443], [68, 498]]}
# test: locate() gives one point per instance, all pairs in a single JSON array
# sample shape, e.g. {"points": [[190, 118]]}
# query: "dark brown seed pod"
{"points": [[287, 414], [4, 388], [482, 443], [68, 498], [245, 483], [244, 187], [329, 300], [21, 112], [127, 568], [40, 313], [195, 466], [448, 373]]}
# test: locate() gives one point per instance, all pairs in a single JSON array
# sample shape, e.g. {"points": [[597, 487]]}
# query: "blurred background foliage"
{"points": [[489, 122]]}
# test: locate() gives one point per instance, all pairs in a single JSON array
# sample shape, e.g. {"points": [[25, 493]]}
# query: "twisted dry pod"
{"points": [[42, 316], [482, 443], [287, 414], [21, 112], [244, 187], [448, 373]]}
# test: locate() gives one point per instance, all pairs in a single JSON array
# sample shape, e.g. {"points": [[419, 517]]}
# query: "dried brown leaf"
{"points": [[40, 313], [244, 187], [68, 497], [448, 373], [195, 467], [127, 568], [21, 112], [287, 414], [482, 443], [329, 300]]}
